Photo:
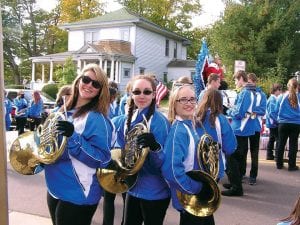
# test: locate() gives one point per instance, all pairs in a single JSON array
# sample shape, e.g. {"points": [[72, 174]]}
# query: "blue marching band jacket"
{"points": [[284, 111], [150, 184]]}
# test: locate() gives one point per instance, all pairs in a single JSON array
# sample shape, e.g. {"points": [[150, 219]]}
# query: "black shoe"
{"points": [[227, 186], [270, 157], [232, 192], [293, 168], [279, 167], [252, 181]]}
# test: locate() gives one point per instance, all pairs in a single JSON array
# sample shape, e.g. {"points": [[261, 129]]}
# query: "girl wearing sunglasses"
{"points": [[147, 201], [73, 189]]}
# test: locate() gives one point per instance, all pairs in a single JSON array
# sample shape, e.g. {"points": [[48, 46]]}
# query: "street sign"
{"points": [[239, 65]]}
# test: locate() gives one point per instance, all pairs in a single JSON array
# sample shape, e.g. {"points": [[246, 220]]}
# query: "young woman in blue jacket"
{"points": [[209, 114], [288, 118], [147, 201], [73, 188], [35, 110], [180, 152]]}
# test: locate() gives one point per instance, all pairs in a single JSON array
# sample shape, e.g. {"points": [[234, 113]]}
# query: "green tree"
{"points": [[264, 33], [67, 74]]}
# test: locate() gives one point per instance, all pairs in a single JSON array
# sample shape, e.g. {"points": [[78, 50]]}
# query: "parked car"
{"points": [[49, 102]]}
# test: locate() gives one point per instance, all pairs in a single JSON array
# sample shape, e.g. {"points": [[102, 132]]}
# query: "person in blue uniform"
{"points": [[243, 125], [258, 111], [147, 201], [271, 120], [8, 108], [288, 117], [210, 114], [21, 112], [73, 188], [180, 152], [35, 111]]}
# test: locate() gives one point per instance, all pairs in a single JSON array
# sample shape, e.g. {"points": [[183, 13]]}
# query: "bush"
{"points": [[15, 86], [50, 89]]}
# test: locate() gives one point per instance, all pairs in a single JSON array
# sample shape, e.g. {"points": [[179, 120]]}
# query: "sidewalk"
{"points": [[18, 218]]}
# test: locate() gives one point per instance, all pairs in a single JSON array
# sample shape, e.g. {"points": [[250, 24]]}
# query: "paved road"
{"points": [[263, 204]]}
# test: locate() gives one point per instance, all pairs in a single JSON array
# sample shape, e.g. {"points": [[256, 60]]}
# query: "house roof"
{"points": [[123, 16], [182, 63], [104, 48]]}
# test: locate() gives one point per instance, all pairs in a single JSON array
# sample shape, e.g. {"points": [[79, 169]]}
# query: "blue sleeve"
{"points": [[229, 142], [119, 122], [277, 105], [271, 109], [176, 150], [241, 107], [160, 130], [92, 147]]}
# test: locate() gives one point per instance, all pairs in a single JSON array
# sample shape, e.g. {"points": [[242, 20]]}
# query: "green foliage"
{"points": [[265, 35], [67, 74], [51, 89]]}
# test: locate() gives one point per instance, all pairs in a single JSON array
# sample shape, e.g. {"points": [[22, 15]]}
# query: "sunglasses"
{"points": [[87, 80], [145, 92]]}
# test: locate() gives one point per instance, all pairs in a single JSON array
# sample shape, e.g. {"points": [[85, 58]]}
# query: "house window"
{"points": [[126, 72], [124, 34], [167, 47], [142, 70], [90, 37], [175, 50]]}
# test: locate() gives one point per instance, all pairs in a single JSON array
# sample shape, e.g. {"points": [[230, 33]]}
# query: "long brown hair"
{"points": [[132, 106], [294, 216], [293, 89], [100, 103], [212, 100], [36, 96]]}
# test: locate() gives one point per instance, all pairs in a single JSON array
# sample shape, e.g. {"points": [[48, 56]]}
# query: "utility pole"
{"points": [[3, 159]]}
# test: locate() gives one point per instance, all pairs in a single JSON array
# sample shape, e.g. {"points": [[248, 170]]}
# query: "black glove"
{"points": [[206, 192], [148, 140], [65, 128]]}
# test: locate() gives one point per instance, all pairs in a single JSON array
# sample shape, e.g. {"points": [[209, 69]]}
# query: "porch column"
{"points": [[78, 66], [33, 72], [112, 68], [51, 73], [105, 66], [43, 73], [101, 62], [117, 72]]}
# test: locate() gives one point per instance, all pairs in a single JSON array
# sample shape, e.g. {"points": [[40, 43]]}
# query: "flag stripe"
{"points": [[161, 91]]}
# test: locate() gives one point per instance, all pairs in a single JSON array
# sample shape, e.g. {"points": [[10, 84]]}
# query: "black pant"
{"points": [[234, 163], [66, 213], [151, 212], [109, 208], [20, 124], [272, 139], [254, 149], [189, 219], [285, 131], [34, 123]]}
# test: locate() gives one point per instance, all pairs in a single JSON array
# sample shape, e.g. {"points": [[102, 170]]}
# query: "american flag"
{"points": [[161, 91]]}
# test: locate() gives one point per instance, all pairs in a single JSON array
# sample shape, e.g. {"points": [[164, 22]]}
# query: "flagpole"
{"points": [[3, 161]]}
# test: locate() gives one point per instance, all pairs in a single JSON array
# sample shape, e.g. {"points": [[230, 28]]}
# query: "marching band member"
{"points": [[73, 188], [288, 111], [259, 110], [147, 201], [21, 112], [180, 152], [243, 127], [209, 114], [271, 120], [35, 110]]}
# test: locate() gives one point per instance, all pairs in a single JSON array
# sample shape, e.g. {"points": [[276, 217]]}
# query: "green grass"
{"points": [[164, 103]]}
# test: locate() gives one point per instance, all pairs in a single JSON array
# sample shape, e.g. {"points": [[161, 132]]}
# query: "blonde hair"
{"points": [[172, 100]]}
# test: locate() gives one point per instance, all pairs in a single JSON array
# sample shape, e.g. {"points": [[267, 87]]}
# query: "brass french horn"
{"points": [[122, 174], [208, 159], [33, 148]]}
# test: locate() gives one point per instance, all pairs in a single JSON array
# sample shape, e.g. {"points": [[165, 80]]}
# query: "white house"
{"points": [[124, 44]]}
